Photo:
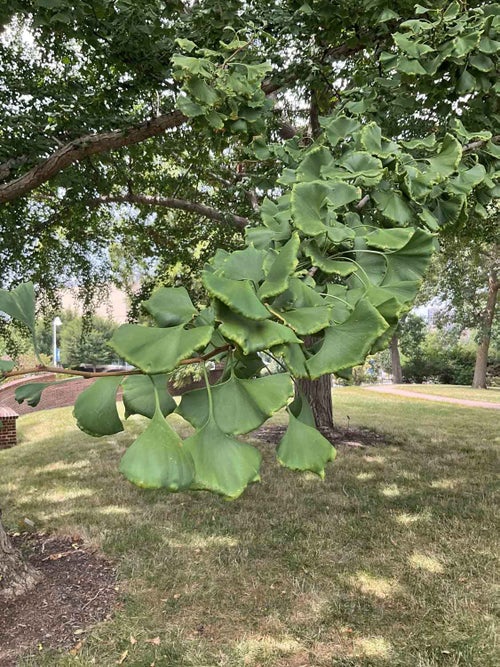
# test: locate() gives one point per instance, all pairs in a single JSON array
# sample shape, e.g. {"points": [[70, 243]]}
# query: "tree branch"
{"points": [[171, 202], [90, 144], [90, 374]]}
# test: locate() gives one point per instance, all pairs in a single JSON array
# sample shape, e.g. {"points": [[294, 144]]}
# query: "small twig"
{"points": [[92, 599], [363, 202]]}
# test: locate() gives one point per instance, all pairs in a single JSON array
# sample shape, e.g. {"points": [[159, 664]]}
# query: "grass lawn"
{"points": [[491, 395], [390, 562]]}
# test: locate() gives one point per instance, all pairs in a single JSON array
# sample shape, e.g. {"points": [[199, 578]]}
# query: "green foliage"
{"points": [[345, 233], [83, 341]]}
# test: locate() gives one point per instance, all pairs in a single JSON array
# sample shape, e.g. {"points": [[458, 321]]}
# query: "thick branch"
{"points": [[171, 202], [91, 144]]}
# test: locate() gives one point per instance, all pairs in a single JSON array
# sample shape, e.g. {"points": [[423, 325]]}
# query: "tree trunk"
{"points": [[479, 379], [16, 576], [397, 371], [319, 394]]}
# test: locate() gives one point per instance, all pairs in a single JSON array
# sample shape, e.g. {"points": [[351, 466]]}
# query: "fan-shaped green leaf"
{"points": [[294, 358], [347, 344], [19, 303], [222, 464], [339, 128], [170, 306], [393, 206], [239, 295], [304, 448], [252, 335], [244, 265], [240, 406], [32, 392], [156, 350], [448, 158], [389, 239], [95, 408], [158, 459], [139, 395], [6, 366], [341, 194], [307, 321], [284, 265], [301, 409], [308, 207], [339, 266]]}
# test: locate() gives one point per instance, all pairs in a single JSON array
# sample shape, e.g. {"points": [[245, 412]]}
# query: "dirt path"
{"points": [[387, 389]]}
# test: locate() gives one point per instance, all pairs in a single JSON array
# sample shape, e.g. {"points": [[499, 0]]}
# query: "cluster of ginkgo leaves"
{"points": [[320, 284]]}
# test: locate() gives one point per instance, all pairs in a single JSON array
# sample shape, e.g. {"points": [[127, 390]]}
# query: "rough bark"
{"points": [[397, 371], [319, 394], [479, 379], [16, 576]]}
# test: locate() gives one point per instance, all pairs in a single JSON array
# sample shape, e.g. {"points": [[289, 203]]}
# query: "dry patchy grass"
{"points": [[389, 562]]}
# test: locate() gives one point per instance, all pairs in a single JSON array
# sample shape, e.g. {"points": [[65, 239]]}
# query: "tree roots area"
{"points": [[77, 589]]}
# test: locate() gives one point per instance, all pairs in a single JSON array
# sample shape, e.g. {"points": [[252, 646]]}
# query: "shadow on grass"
{"points": [[387, 562]]}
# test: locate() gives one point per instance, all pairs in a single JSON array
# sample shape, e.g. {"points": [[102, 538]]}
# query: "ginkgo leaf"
{"points": [[348, 343], [223, 464], [252, 335], [308, 205], [140, 392], [307, 321], [19, 303], [156, 350], [170, 306], [240, 406], [393, 206], [301, 409], [389, 239], [95, 408], [284, 265], [239, 295], [341, 267], [158, 459], [244, 264], [6, 365], [294, 358], [304, 448], [32, 392]]}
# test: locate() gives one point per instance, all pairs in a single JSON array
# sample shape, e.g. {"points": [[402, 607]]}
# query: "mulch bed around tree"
{"points": [[349, 437], [78, 589]]}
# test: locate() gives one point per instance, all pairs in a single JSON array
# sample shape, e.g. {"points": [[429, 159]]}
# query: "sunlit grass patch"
{"points": [[422, 561], [380, 587]]}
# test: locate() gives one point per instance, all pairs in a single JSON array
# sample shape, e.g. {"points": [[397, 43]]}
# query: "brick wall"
{"points": [[8, 436]]}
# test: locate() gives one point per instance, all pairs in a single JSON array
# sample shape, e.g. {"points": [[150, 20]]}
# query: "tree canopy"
{"points": [[111, 133]]}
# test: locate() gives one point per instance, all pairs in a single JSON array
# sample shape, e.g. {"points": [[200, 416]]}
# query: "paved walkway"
{"points": [[387, 389]]}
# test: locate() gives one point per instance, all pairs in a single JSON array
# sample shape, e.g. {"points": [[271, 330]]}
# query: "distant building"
{"points": [[112, 304]]}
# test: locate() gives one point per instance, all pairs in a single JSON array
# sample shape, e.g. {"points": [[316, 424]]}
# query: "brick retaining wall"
{"points": [[8, 435]]}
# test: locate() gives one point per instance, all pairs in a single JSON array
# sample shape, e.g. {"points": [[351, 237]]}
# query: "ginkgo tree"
{"points": [[337, 250]]}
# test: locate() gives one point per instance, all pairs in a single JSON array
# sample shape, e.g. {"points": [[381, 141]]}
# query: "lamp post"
{"points": [[56, 322]]}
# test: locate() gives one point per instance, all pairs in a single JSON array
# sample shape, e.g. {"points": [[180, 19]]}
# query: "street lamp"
{"points": [[56, 322]]}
